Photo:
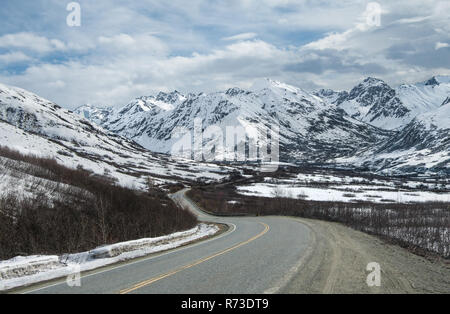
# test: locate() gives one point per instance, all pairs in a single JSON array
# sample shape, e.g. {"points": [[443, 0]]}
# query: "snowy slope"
{"points": [[97, 115], [330, 96], [420, 114], [375, 102], [446, 101], [426, 96], [31, 124], [423, 145], [310, 129]]}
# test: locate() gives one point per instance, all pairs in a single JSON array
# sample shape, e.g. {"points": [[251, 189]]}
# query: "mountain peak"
{"points": [[325, 92], [261, 83], [437, 80], [432, 82], [267, 83], [171, 98], [375, 102], [373, 81], [371, 88], [234, 91]]}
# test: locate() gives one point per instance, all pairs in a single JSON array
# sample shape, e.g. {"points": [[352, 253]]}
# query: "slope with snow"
{"points": [[419, 114], [373, 125], [330, 95], [426, 96], [310, 129], [375, 102], [97, 115], [446, 101], [31, 124], [422, 146]]}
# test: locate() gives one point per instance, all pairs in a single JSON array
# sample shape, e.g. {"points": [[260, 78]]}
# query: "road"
{"points": [[256, 255], [267, 255]]}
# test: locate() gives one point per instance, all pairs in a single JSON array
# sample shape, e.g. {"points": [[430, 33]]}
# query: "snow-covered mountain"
{"points": [[425, 96], [33, 125], [419, 114], [310, 128], [375, 102], [132, 120], [97, 115], [373, 125], [429, 131], [330, 95], [422, 146]]}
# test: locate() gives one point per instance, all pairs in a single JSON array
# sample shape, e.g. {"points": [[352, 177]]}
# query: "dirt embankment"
{"points": [[339, 256]]}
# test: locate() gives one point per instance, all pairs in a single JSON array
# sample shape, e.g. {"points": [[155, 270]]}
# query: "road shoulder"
{"points": [[339, 257], [40, 281]]}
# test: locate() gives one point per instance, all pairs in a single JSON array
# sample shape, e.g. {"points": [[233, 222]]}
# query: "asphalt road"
{"points": [[256, 255]]}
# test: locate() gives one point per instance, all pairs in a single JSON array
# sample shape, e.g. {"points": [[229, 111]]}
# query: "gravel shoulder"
{"points": [[338, 256]]}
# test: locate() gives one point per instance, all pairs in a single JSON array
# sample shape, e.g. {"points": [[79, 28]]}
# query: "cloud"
{"points": [[138, 44], [32, 42], [124, 50], [120, 41], [243, 36], [440, 45], [335, 61], [119, 78], [14, 57]]}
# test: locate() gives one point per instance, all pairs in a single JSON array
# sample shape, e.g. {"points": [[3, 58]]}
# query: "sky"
{"points": [[125, 49]]}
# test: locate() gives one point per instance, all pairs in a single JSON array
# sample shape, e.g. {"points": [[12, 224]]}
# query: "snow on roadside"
{"points": [[22, 271]]}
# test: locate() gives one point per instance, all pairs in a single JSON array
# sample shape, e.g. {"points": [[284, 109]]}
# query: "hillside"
{"points": [[31, 124], [310, 129]]}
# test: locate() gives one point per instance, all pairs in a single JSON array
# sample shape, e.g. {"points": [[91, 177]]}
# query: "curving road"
{"points": [[267, 255], [256, 255]]}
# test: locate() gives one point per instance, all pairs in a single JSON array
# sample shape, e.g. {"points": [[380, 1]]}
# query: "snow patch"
{"points": [[21, 271]]}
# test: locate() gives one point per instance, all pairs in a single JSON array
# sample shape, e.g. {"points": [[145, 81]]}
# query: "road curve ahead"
{"points": [[256, 255]]}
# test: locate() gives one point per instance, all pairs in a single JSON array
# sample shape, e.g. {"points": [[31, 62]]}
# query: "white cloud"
{"points": [[32, 42], [335, 41], [127, 50], [14, 57], [119, 78], [136, 44], [243, 36], [122, 40], [440, 45]]}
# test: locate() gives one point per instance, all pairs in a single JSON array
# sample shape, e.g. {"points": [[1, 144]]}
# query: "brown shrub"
{"points": [[107, 214]]}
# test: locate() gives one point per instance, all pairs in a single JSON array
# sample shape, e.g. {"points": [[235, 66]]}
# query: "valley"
{"points": [[106, 174]]}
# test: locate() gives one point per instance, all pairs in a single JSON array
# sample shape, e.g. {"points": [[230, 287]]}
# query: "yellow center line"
{"points": [[153, 280]]}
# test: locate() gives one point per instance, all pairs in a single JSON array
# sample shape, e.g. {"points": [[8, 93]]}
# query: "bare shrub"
{"points": [[96, 213], [422, 228]]}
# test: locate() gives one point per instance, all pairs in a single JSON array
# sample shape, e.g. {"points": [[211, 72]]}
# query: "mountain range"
{"points": [[375, 126], [33, 125], [310, 129]]}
